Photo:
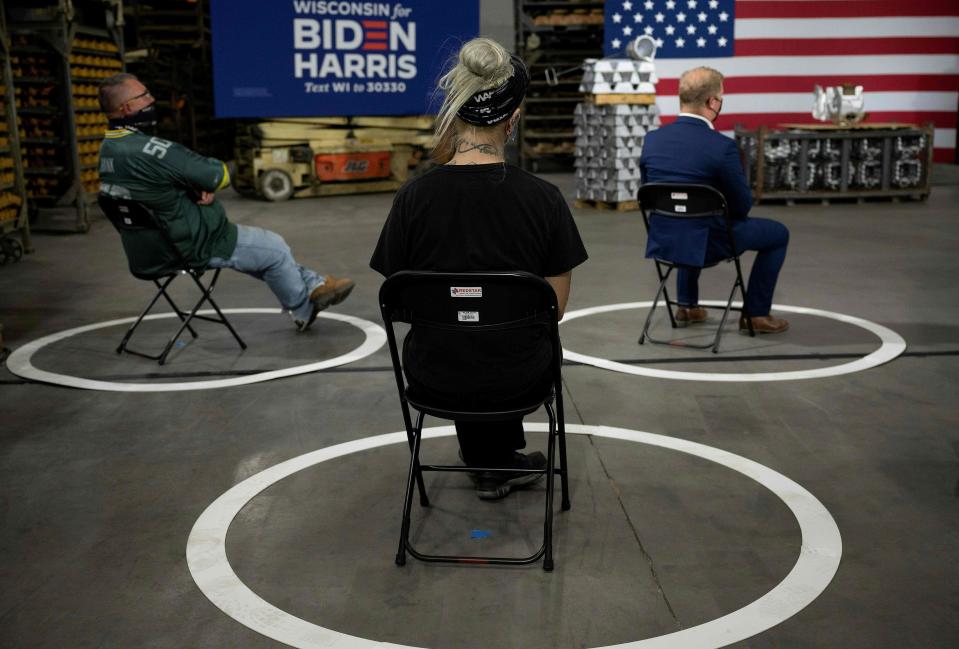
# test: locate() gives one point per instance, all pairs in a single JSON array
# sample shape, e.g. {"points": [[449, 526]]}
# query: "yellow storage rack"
{"points": [[60, 51], [169, 48], [14, 224]]}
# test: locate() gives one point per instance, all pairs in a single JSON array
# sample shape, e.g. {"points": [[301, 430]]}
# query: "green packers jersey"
{"points": [[168, 178]]}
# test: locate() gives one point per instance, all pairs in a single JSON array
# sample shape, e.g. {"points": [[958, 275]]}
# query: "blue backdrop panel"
{"points": [[289, 58]]}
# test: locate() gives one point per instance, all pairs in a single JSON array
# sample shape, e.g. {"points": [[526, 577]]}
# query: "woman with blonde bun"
{"points": [[474, 212]]}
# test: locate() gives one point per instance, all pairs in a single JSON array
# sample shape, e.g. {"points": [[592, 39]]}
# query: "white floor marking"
{"points": [[817, 563], [19, 361], [892, 345]]}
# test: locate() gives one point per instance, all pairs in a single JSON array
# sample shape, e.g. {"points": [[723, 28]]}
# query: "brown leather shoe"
{"points": [[690, 315], [765, 324]]}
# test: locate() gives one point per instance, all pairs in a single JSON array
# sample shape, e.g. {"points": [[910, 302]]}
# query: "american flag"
{"points": [[905, 53], [681, 28]]}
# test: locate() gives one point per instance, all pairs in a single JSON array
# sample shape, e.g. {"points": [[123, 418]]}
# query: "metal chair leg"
{"points": [[669, 308], [742, 291], [408, 497], [563, 467], [129, 333], [186, 317], [180, 313], [550, 464], [209, 298], [424, 499], [183, 325], [649, 317], [722, 322], [662, 290]]}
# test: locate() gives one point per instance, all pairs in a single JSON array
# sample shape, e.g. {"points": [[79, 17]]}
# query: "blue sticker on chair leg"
{"points": [[479, 534]]}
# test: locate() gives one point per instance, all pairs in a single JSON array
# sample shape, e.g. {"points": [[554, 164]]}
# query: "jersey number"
{"points": [[156, 147]]}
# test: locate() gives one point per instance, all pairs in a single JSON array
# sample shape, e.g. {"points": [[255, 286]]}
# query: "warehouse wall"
{"points": [[496, 21]]}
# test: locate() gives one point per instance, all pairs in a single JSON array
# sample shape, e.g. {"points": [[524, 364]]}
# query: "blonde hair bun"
{"points": [[486, 59], [482, 64]]}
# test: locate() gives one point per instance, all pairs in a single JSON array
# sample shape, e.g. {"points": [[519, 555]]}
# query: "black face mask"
{"points": [[716, 115], [143, 120]]}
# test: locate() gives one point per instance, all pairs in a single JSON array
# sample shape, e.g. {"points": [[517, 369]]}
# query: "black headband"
{"points": [[492, 106]]}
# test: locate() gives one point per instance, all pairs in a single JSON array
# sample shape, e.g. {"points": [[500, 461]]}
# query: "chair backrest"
{"points": [[681, 201], [150, 251], [691, 210], [469, 302]]}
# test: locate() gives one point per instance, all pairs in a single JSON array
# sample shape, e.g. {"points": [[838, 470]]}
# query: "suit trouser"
{"points": [[768, 238]]}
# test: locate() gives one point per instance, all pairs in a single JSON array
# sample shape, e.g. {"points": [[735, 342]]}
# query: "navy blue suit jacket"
{"points": [[688, 151]]}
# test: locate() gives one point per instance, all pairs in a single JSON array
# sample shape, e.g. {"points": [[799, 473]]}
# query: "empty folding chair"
{"points": [[153, 256], [689, 208], [501, 302]]}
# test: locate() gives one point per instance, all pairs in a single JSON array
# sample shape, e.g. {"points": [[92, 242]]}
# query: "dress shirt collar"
{"points": [[708, 123]]}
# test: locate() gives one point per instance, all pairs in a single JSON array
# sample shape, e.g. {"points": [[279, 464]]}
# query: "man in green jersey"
{"points": [[178, 185]]}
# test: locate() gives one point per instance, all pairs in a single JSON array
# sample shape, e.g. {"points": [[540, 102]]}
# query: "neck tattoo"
{"points": [[463, 145]]}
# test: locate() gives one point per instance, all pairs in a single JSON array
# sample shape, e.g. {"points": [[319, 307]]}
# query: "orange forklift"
{"points": [[280, 173]]}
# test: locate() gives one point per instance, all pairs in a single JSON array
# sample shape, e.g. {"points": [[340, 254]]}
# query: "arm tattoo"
{"points": [[463, 145]]}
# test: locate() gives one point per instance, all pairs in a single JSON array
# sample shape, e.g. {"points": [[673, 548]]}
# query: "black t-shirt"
{"points": [[462, 218]]}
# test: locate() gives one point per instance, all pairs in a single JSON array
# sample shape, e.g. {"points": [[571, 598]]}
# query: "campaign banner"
{"points": [[306, 58]]}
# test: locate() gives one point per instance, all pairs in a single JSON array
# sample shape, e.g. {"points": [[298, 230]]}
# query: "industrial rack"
{"points": [[13, 204], [170, 51], [559, 35], [823, 161], [60, 51]]}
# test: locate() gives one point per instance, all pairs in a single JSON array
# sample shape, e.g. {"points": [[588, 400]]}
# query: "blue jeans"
{"points": [[265, 255], [769, 238]]}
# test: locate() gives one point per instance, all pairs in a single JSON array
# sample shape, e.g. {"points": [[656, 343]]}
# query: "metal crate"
{"points": [[823, 162]]}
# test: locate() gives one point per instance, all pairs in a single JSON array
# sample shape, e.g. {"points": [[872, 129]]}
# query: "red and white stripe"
{"points": [[905, 55], [374, 34]]}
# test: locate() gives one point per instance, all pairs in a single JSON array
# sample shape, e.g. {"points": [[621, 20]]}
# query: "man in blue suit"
{"points": [[690, 150]]}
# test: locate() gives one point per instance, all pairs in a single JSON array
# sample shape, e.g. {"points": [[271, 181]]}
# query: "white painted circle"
{"points": [[892, 345], [818, 561], [19, 361]]}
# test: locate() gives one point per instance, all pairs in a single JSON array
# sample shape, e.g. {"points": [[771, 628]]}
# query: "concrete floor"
{"points": [[100, 489]]}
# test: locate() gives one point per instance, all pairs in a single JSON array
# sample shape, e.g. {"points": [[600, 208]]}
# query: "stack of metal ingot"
{"points": [[611, 125]]}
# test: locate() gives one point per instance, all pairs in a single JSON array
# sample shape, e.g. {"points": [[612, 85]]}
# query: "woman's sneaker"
{"points": [[492, 485]]}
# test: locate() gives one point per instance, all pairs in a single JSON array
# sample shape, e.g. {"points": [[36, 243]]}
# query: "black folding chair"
{"points": [[500, 301], [688, 202], [152, 256]]}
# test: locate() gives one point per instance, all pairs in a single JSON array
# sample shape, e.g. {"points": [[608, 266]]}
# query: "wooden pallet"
{"points": [[620, 98], [621, 206], [838, 198], [422, 122], [856, 126]]}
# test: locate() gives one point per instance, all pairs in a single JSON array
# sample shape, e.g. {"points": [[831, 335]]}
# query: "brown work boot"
{"points": [[331, 292], [765, 324], [690, 315]]}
